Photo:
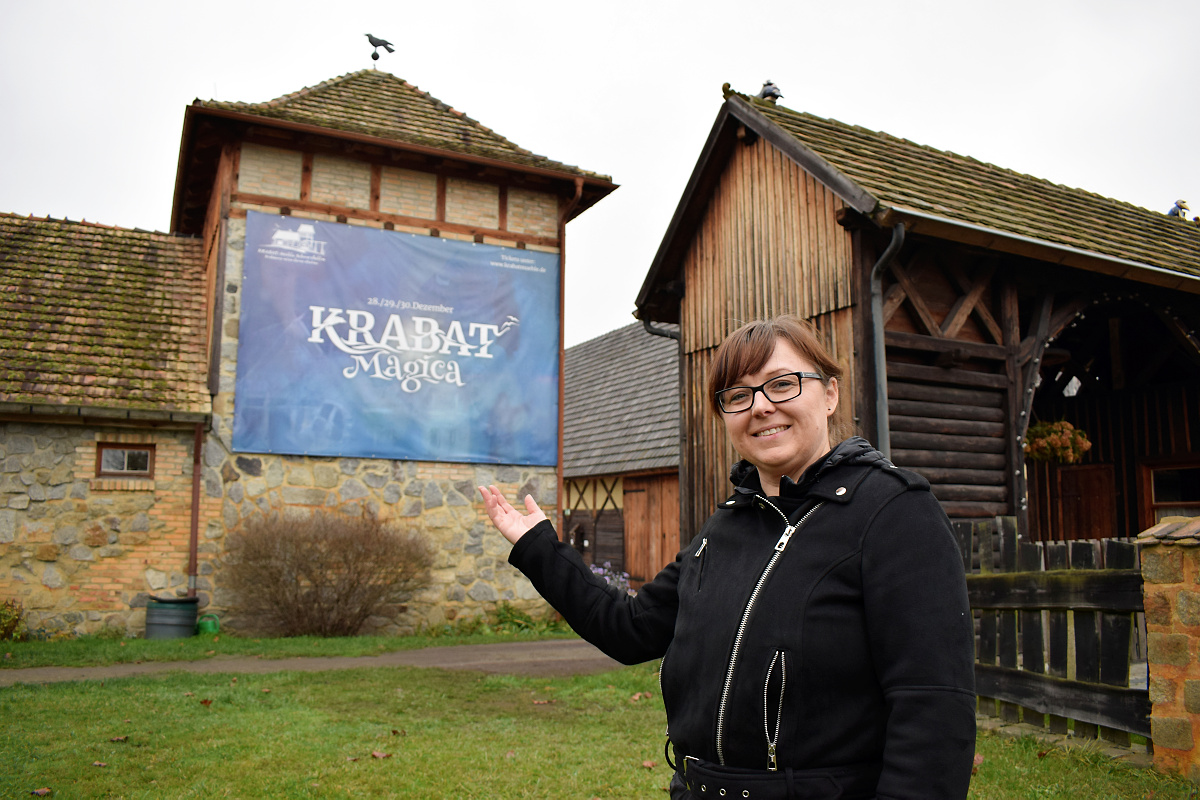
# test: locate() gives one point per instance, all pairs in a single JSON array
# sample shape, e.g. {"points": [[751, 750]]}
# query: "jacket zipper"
{"points": [[741, 631], [700, 555], [781, 658]]}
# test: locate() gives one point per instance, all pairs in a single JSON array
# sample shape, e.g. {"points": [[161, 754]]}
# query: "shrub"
{"points": [[324, 575], [12, 621]]}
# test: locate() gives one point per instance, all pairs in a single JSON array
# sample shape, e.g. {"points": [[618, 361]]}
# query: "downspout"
{"points": [[562, 350], [883, 435], [194, 537]]}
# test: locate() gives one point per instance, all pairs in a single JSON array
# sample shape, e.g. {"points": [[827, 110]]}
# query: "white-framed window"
{"points": [[117, 460]]}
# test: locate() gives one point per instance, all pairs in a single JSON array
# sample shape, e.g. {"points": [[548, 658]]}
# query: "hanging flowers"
{"points": [[1056, 441]]}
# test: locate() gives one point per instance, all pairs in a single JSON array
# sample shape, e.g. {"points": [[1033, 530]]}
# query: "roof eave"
{"points": [[600, 186], [1018, 244], [735, 111]]}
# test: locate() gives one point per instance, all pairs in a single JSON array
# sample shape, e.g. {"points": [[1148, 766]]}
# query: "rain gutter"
{"points": [[883, 436]]}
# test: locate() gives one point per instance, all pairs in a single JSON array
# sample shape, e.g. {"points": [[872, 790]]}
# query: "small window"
{"points": [[124, 461], [1175, 492]]}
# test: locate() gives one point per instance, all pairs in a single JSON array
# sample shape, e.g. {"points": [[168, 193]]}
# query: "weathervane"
{"points": [[378, 43]]}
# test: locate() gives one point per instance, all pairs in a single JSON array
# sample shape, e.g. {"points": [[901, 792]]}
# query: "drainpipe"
{"points": [[562, 350], [883, 435], [193, 539]]}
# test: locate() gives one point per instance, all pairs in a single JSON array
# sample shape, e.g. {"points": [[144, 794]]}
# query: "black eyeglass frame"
{"points": [[762, 387]]}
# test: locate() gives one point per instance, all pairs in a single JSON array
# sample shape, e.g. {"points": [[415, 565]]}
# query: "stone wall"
{"points": [[82, 552], [1171, 588]]}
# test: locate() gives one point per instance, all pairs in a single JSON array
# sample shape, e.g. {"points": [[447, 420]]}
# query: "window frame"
{"points": [[147, 474]]}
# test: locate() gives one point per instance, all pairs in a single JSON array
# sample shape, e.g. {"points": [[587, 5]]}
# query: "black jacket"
{"points": [[848, 643]]}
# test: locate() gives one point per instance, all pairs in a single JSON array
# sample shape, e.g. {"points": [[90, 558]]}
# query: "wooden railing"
{"points": [[1058, 626]]}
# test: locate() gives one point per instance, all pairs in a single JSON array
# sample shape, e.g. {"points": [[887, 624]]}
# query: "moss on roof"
{"points": [[905, 175], [100, 316], [379, 104]]}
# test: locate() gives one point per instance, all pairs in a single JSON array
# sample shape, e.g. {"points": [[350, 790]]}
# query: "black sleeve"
{"points": [[629, 629], [922, 642]]}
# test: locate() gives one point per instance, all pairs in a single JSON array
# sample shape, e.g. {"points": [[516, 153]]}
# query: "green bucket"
{"points": [[208, 623], [171, 617]]}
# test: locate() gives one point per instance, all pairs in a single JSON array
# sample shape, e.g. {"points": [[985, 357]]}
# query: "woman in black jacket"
{"points": [[815, 634]]}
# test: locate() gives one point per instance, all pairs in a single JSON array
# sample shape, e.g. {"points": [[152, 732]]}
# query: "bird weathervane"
{"points": [[377, 43]]}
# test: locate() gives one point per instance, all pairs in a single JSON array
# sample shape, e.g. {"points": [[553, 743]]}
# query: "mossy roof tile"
{"points": [[902, 174], [101, 316], [379, 104]]}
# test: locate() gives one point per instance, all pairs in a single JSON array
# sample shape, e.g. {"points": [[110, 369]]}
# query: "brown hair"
{"points": [[748, 348]]}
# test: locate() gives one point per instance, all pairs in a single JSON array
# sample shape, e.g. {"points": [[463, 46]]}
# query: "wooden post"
{"points": [[1087, 635], [1058, 645]]}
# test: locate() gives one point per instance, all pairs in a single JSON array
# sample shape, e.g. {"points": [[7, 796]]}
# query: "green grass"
{"points": [[447, 734], [94, 651]]}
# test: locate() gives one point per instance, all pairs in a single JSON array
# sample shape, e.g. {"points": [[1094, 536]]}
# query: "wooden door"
{"points": [[651, 525], [1087, 501]]}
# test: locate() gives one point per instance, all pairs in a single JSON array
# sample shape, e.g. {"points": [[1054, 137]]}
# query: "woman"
{"points": [[815, 634]]}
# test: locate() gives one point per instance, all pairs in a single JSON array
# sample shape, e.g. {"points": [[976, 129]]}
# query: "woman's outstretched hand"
{"points": [[511, 523]]}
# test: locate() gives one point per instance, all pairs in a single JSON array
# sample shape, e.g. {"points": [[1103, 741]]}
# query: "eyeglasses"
{"points": [[779, 389]]}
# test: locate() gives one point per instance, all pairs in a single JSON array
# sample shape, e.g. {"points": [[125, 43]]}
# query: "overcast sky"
{"points": [[1094, 94]]}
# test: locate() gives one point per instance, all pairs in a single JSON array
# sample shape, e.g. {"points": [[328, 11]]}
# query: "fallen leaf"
{"points": [[352, 758], [185, 694], [206, 702], [1043, 753], [649, 764], [99, 764], [978, 761], [266, 691], [8, 655], [233, 681], [639, 696], [399, 733], [379, 754], [511, 754], [40, 792], [128, 721], [122, 644], [119, 739], [210, 652], [543, 702], [216, 638]]}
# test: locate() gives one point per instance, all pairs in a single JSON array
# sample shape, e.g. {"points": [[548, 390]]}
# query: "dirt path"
{"points": [[554, 657]]}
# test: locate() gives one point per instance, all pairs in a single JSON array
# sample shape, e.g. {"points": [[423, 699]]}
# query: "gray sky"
{"points": [[1097, 95]]}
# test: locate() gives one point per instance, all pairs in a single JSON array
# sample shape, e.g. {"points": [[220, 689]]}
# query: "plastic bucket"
{"points": [[171, 617], [208, 623]]}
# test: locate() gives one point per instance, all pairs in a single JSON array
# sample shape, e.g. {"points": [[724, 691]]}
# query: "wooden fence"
{"points": [[1059, 625]]}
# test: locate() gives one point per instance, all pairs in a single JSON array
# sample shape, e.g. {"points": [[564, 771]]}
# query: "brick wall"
{"points": [[270, 171], [472, 203], [341, 181], [82, 552], [534, 213], [1171, 589], [408, 193]]}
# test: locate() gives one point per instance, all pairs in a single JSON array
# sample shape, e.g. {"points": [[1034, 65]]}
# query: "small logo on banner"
{"points": [[299, 246]]}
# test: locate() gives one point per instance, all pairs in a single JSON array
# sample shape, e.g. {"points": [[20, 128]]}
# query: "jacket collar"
{"points": [[823, 480]]}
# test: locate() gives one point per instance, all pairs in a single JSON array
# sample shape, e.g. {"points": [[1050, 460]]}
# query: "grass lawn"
{"points": [[408, 732]]}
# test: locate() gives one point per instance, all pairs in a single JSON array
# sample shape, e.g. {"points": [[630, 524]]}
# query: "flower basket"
{"points": [[1056, 441]]}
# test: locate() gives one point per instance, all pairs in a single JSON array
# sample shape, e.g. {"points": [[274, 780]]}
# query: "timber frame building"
{"points": [[963, 301], [120, 347]]}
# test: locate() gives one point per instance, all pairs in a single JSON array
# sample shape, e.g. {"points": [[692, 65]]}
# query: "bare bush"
{"points": [[324, 575]]}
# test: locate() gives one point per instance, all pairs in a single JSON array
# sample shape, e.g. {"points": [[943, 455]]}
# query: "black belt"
{"points": [[713, 782]]}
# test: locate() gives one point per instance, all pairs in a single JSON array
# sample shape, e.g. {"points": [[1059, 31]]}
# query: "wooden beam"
{"points": [[945, 394], [914, 298], [915, 457], [950, 442], [961, 311], [1096, 590], [915, 341], [985, 316], [1112, 706], [921, 408], [958, 377], [893, 298]]}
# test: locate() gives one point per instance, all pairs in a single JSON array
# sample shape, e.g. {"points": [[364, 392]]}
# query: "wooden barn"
{"points": [[963, 300], [621, 450]]}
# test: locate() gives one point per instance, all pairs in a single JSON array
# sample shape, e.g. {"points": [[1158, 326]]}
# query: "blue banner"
{"points": [[376, 344]]}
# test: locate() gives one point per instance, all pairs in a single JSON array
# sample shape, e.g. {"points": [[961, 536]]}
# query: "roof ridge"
{"points": [[93, 224], [447, 107]]}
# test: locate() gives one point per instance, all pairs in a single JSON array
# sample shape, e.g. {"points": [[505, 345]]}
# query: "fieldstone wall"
{"points": [[82, 553], [1171, 592]]}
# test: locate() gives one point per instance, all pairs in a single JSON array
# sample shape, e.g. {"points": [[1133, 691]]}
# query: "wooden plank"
{"points": [[956, 509], [945, 394], [1098, 590], [948, 460], [1087, 635], [958, 427], [964, 535], [936, 441], [1029, 560], [966, 304], [950, 491], [985, 477], [1058, 631], [941, 375], [932, 327], [981, 311], [915, 341], [1089, 704], [923, 408]]}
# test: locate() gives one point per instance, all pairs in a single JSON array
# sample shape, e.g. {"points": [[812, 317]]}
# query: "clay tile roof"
{"points": [[101, 317], [904, 175], [379, 104], [621, 407]]}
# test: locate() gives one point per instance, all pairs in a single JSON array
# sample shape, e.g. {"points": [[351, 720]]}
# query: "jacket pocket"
{"points": [[701, 555], [774, 689]]}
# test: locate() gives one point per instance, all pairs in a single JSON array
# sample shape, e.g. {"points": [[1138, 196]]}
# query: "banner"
{"points": [[375, 344]]}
